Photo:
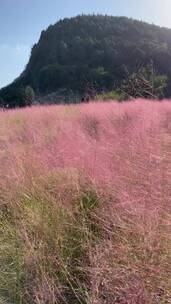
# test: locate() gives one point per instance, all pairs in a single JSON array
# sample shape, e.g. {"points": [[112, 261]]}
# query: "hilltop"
{"points": [[88, 51]]}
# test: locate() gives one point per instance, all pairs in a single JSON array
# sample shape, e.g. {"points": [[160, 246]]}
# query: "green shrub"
{"points": [[112, 95]]}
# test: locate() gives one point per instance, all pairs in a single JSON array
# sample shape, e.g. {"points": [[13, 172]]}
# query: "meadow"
{"points": [[85, 204]]}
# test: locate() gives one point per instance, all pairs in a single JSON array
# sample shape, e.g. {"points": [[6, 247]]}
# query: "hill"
{"points": [[92, 51]]}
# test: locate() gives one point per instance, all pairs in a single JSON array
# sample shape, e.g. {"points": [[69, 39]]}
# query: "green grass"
{"points": [[52, 246]]}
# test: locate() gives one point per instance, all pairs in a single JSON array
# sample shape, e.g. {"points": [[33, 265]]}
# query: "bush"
{"points": [[145, 83], [112, 95]]}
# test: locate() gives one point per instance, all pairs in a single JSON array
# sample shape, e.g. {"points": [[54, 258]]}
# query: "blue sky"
{"points": [[21, 22]]}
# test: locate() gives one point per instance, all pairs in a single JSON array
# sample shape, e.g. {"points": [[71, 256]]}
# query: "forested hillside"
{"points": [[91, 51]]}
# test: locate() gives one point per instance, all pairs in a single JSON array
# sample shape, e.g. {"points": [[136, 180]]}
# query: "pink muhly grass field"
{"points": [[85, 194]]}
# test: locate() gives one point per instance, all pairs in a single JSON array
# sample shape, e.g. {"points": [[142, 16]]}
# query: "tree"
{"points": [[1, 103], [19, 97], [29, 96], [144, 83]]}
